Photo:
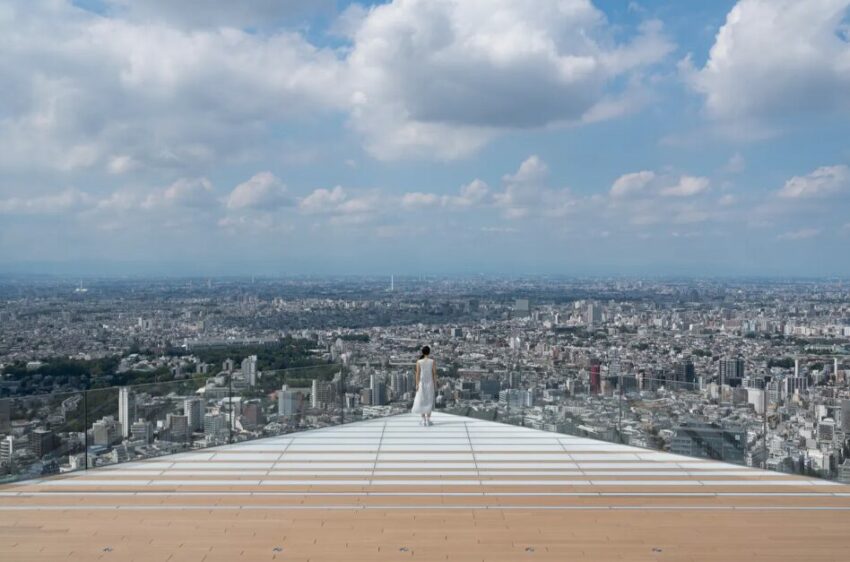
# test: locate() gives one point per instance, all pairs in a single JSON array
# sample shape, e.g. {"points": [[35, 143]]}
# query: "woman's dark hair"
{"points": [[425, 351]]}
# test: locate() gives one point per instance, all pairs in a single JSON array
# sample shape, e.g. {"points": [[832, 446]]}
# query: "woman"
{"points": [[426, 383]]}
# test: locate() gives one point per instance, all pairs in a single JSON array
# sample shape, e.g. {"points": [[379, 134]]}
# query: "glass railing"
{"points": [[56, 433], [51, 434], [733, 424]]}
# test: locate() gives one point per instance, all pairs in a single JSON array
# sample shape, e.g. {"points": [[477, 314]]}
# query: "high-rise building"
{"points": [[710, 442], [214, 424], [398, 384], [192, 409], [794, 385], [7, 449], [5, 416], [845, 416], [178, 427], [379, 391], [826, 430], [514, 379], [142, 430], [516, 398], [288, 401], [731, 371], [592, 314], [595, 377], [489, 388], [228, 366], [249, 370], [106, 432], [252, 415], [126, 410], [685, 373], [322, 394]]}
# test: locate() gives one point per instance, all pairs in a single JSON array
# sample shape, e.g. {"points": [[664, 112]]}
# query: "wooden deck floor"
{"points": [[390, 490]]}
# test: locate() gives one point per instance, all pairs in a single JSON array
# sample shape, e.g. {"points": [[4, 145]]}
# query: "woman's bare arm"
{"points": [[417, 374]]}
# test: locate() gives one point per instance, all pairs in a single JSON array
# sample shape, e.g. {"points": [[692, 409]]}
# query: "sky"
{"points": [[425, 136]]}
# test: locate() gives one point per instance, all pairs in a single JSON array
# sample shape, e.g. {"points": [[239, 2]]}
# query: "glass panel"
{"points": [[161, 418], [376, 392], [41, 435], [673, 414], [287, 400]]}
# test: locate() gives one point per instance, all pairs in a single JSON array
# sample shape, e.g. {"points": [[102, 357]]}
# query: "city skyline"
{"points": [[414, 137]]}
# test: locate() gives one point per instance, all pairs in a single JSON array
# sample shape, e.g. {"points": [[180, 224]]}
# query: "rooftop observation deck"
{"points": [[388, 489]]}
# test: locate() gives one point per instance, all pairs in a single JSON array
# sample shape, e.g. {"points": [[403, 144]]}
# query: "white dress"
{"points": [[424, 401]]}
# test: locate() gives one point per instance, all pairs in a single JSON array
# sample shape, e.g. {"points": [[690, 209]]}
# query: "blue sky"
{"points": [[445, 136]]}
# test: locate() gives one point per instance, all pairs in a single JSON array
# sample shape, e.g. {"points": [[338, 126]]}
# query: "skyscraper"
{"points": [[192, 409], [7, 449], [845, 416], [379, 391], [593, 314], [249, 370], [106, 431], [126, 410], [214, 424], [731, 371], [43, 442], [178, 427], [322, 394], [595, 381], [142, 430], [288, 401], [685, 373]]}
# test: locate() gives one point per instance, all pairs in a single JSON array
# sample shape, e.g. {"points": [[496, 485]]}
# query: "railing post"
{"points": [[620, 409], [86, 428], [232, 418]]}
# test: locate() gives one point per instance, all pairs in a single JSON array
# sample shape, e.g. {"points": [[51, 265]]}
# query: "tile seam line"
{"points": [[472, 450], [393, 507]]}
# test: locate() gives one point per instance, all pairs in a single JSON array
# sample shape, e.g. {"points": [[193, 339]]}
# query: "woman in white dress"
{"points": [[426, 383]]}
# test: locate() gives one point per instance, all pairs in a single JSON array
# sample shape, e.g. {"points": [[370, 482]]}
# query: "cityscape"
{"points": [[428, 280], [744, 371]]}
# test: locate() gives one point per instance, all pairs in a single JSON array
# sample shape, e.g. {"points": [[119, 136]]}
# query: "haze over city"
{"points": [[496, 137]]}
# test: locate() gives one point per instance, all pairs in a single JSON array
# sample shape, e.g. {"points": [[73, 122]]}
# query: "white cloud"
{"points": [[86, 91], [121, 164], [526, 193], [802, 234], [323, 200], [62, 202], [419, 199], [727, 200], [629, 184], [263, 191], [825, 181], [688, 186], [474, 193], [440, 78], [189, 193], [773, 58]]}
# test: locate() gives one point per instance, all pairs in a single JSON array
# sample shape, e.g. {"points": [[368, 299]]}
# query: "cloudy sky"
{"points": [[415, 136]]}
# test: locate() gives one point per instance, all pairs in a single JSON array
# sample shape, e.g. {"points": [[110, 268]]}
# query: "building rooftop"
{"points": [[389, 489]]}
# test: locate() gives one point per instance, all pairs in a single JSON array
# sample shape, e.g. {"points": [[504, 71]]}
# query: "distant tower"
{"points": [[126, 410], [392, 283]]}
